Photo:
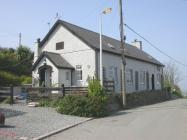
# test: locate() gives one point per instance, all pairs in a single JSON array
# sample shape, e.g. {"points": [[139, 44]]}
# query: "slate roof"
{"points": [[55, 58], [110, 45]]}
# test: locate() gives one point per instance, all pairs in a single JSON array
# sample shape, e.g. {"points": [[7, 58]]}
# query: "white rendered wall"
{"points": [[75, 52], [54, 74], [136, 65], [62, 77]]}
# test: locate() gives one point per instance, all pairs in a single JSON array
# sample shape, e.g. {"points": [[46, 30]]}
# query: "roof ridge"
{"points": [[61, 21], [82, 35]]}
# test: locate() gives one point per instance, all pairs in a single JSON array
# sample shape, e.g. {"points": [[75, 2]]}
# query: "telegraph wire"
{"points": [[154, 46]]}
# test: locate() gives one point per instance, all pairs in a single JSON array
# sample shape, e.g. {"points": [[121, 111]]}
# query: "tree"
{"points": [[23, 53], [15, 65], [171, 75]]}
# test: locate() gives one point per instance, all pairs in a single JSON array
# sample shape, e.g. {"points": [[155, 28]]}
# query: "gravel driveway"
{"points": [[28, 122]]}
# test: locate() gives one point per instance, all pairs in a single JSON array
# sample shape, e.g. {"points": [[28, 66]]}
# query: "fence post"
{"points": [[11, 95], [63, 89]]}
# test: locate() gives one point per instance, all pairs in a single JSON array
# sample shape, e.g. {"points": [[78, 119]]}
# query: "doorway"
{"points": [[147, 80], [45, 75], [153, 82], [136, 80]]}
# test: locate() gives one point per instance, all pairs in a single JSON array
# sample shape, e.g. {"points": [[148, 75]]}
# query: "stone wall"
{"points": [[138, 99], [146, 98]]}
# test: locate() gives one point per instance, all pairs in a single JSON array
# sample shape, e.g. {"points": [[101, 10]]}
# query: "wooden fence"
{"points": [[35, 93], [7, 92]]}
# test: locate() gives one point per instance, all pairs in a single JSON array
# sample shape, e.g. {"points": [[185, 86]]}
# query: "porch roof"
{"points": [[55, 58]]}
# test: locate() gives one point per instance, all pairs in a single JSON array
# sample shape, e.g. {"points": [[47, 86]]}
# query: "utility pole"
{"points": [[20, 45], [122, 53]]}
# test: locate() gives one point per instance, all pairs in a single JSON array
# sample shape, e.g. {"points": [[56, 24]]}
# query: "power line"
{"points": [[154, 46]]}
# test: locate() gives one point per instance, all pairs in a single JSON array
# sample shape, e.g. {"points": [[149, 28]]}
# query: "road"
{"points": [[163, 121]]}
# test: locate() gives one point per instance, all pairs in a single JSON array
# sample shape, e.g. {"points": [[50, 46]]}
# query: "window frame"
{"points": [[142, 77], [79, 73], [67, 76], [129, 76], [60, 45]]}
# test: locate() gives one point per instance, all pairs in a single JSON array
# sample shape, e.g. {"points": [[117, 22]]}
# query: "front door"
{"points": [[147, 80], [136, 80], [42, 77], [153, 82], [45, 75]]}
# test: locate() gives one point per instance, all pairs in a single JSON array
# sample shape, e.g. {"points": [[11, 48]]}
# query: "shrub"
{"points": [[45, 102], [94, 88], [26, 79], [8, 79], [55, 102], [176, 91], [93, 105], [83, 106], [72, 105], [7, 100], [97, 106]]}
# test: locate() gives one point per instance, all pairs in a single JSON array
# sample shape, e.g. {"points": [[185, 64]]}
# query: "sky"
{"points": [[163, 22]]}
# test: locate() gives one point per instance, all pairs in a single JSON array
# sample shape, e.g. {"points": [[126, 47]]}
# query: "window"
{"points": [[104, 74], [110, 73], [129, 76], [79, 72], [116, 75], [142, 77], [59, 45], [67, 76], [147, 80], [136, 80], [158, 78]]}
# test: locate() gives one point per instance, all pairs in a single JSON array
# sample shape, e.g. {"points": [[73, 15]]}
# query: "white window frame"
{"points": [[67, 76], [111, 73], [158, 78], [104, 74], [129, 76], [79, 76], [142, 77]]}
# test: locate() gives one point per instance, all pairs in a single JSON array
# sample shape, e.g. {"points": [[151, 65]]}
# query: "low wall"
{"points": [[137, 99], [146, 97]]}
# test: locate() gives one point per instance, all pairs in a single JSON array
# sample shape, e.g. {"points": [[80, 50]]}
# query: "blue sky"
{"points": [[163, 22]]}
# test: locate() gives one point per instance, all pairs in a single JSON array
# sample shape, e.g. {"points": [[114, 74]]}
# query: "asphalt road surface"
{"points": [[163, 121]]}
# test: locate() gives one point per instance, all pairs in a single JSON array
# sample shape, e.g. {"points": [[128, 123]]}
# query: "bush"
{"points": [[97, 106], [9, 79], [45, 102], [56, 102], [176, 91], [7, 100], [50, 102], [94, 88], [26, 79], [93, 105], [83, 106]]}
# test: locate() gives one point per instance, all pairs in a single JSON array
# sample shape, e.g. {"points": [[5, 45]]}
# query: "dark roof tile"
{"points": [[110, 45]]}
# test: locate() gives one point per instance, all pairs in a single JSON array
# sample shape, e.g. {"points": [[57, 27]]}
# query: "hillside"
{"points": [[15, 66]]}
